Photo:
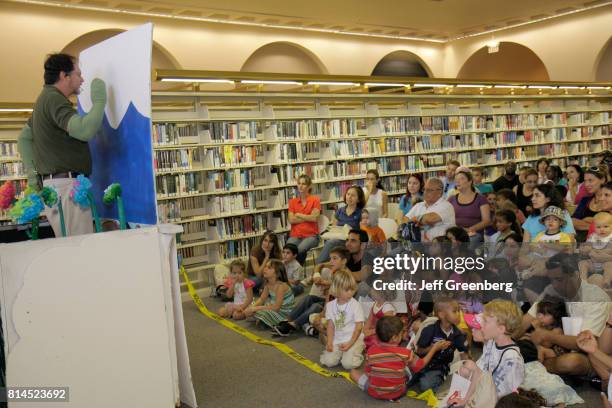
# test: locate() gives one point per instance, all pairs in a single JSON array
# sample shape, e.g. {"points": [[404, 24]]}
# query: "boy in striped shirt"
{"points": [[384, 376]]}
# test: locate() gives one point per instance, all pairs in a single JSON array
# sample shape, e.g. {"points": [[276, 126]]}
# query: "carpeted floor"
{"points": [[229, 370]]}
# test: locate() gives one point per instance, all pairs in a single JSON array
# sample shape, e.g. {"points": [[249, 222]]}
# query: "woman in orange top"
{"points": [[304, 211], [369, 223]]}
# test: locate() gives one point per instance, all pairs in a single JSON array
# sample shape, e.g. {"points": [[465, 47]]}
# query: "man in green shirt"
{"points": [[53, 144]]}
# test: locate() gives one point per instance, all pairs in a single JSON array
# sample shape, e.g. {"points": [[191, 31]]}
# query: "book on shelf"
{"points": [[8, 150]]}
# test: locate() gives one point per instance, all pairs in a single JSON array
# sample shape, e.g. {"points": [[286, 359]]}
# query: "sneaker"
{"points": [[311, 331], [283, 329]]}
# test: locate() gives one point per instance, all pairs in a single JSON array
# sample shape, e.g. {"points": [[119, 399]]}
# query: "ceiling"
{"points": [[440, 20]]}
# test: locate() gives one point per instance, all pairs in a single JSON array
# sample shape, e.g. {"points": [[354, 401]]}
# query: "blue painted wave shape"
{"points": [[124, 155]]}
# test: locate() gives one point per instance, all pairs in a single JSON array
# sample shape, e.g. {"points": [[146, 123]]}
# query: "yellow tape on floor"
{"points": [[427, 396]]}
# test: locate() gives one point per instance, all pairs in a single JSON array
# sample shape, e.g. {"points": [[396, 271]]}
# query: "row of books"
{"points": [[13, 169], [234, 155], [172, 133], [8, 150], [220, 131], [317, 128], [470, 123], [173, 184], [227, 156], [233, 131], [166, 160], [237, 178]]}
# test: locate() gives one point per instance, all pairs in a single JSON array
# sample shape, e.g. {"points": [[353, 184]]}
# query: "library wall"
{"points": [[604, 66], [568, 46], [503, 64], [193, 45], [284, 57]]}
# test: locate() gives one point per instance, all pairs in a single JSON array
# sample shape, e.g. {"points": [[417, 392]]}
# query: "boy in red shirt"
{"points": [[385, 376]]}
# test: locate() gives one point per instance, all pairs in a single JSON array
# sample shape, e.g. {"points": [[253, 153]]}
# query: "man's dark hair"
{"points": [[291, 247], [341, 251], [388, 326], [57, 63], [363, 236], [567, 262]]}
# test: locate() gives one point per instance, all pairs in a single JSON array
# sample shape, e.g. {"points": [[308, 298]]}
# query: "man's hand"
{"points": [[540, 337], [98, 91]]}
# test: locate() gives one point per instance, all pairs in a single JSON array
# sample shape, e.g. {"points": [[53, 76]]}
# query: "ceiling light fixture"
{"points": [[598, 87], [270, 82], [16, 109], [207, 80], [384, 84], [473, 86], [333, 83], [541, 87], [510, 86], [431, 85], [570, 87]]}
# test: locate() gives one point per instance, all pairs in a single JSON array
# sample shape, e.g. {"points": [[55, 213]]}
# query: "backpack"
{"points": [[410, 231]]}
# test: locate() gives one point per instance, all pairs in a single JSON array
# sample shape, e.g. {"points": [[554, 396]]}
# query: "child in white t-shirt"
{"points": [[240, 288], [344, 324], [501, 357]]}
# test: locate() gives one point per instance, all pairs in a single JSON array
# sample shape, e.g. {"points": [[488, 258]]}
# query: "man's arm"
{"points": [[25, 145], [430, 218], [85, 127]]}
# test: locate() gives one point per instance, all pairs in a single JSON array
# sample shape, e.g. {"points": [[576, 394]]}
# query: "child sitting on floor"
{"points": [[295, 271], [445, 331], [384, 376], [314, 302], [382, 306], [501, 358], [276, 299], [240, 288], [344, 324]]}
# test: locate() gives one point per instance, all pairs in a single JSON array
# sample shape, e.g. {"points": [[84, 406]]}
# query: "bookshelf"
{"points": [[225, 160], [226, 165]]}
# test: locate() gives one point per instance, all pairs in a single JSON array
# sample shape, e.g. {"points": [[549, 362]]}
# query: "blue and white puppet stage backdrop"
{"points": [[122, 149]]}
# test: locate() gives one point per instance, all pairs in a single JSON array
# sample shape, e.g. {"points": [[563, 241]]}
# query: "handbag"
{"points": [[410, 231]]}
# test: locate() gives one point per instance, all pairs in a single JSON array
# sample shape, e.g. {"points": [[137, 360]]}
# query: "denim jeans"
{"points": [[297, 289], [309, 305], [428, 379], [304, 245]]}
